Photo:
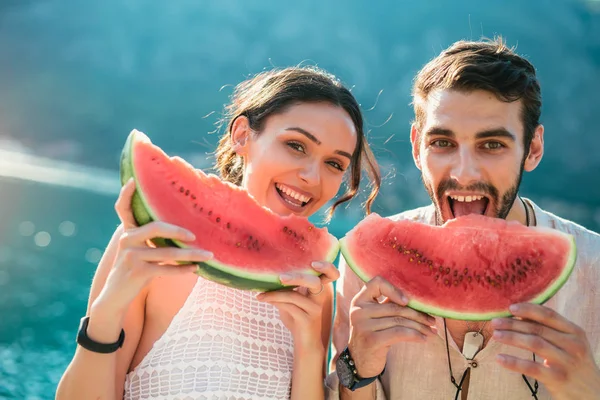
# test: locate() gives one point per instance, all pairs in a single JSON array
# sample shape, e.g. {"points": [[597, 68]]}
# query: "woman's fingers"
{"points": [[123, 205], [139, 236]]}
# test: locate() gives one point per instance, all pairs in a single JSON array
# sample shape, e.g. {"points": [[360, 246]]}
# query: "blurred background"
{"points": [[77, 75]]}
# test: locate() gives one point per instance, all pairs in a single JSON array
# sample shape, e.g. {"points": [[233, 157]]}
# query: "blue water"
{"points": [[50, 241]]}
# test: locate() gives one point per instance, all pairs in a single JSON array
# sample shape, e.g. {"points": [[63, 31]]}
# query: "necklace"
{"points": [[474, 340]]}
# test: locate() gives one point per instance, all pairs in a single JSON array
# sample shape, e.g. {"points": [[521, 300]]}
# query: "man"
{"points": [[476, 129]]}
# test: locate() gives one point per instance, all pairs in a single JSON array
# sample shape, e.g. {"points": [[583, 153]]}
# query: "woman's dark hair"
{"points": [[272, 92]]}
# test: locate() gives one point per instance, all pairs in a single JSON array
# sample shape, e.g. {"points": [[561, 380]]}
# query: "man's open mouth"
{"points": [[465, 205]]}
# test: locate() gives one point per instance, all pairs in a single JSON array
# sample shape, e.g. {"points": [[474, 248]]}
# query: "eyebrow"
{"points": [[489, 133], [313, 138]]}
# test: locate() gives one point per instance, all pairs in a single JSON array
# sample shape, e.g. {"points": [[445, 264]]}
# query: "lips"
{"points": [[293, 197]]}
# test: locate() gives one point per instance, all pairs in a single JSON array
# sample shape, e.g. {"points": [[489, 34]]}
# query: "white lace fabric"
{"points": [[223, 344]]}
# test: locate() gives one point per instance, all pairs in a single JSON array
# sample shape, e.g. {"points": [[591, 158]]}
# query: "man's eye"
{"points": [[441, 143], [493, 145]]}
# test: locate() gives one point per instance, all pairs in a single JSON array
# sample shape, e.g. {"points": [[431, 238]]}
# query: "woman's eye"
{"points": [[336, 165], [296, 146]]}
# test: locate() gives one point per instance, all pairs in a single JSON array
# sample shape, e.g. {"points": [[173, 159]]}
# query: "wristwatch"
{"points": [[347, 373], [87, 343]]}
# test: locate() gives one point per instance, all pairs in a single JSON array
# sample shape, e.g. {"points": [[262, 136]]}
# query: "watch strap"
{"points": [[358, 382], [87, 343]]}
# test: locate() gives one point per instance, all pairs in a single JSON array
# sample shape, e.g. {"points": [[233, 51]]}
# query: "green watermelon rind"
{"points": [[215, 271], [474, 316]]}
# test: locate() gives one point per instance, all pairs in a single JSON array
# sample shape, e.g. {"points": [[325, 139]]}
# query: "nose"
{"points": [[310, 173], [466, 168]]}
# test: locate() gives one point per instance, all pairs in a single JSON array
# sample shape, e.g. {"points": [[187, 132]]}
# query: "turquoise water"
{"points": [[51, 239]]}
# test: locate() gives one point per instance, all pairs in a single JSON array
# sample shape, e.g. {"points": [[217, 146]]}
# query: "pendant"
{"points": [[472, 344]]}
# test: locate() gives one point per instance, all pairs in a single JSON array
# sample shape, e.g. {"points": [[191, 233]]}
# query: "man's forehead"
{"points": [[471, 111]]}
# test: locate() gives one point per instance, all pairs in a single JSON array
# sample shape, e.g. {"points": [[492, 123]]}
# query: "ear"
{"points": [[240, 135], [416, 146], [536, 150]]}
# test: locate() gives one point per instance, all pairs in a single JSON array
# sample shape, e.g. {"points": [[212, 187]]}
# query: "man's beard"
{"points": [[501, 208]]}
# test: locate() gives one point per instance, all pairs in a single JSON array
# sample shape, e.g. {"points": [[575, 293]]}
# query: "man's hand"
{"points": [[569, 371], [375, 326]]}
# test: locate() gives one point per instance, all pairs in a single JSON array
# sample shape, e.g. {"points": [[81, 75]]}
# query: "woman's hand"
{"points": [[136, 263], [301, 309]]}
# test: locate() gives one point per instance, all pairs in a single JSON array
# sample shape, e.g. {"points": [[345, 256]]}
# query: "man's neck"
{"points": [[517, 211]]}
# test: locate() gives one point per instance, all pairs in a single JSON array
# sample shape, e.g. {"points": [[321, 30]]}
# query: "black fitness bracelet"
{"points": [[87, 343]]}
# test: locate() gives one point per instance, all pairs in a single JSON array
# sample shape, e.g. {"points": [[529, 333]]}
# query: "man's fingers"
{"points": [[389, 309], [380, 324], [553, 336], [543, 315], [531, 368], [378, 287], [535, 344], [397, 334]]}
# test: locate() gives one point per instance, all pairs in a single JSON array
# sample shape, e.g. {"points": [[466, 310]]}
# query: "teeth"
{"points": [[291, 193], [467, 199]]}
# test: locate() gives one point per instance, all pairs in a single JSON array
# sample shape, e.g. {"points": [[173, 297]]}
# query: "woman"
{"points": [[291, 136]]}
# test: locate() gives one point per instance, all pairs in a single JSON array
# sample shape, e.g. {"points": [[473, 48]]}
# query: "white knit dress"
{"points": [[222, 344]]}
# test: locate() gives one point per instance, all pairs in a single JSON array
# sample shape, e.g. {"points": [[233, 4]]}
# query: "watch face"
{"points": [[344, 372]]}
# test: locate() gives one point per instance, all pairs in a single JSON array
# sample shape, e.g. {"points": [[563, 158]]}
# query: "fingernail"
{"points": [[496, 322], [514, 308], [208, 254], [501, 358], [285, 277], [431, 319], [318, 264], [190, 236], [433, 329], [498, 334], [404, 299], [260, 297]]}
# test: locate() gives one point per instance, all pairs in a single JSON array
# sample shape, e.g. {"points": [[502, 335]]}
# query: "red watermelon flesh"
{"points": [[472, 268], [252, 245]]}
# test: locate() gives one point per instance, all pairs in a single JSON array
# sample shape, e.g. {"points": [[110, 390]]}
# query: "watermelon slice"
{"points": [[252, 245], [471, 268]]}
